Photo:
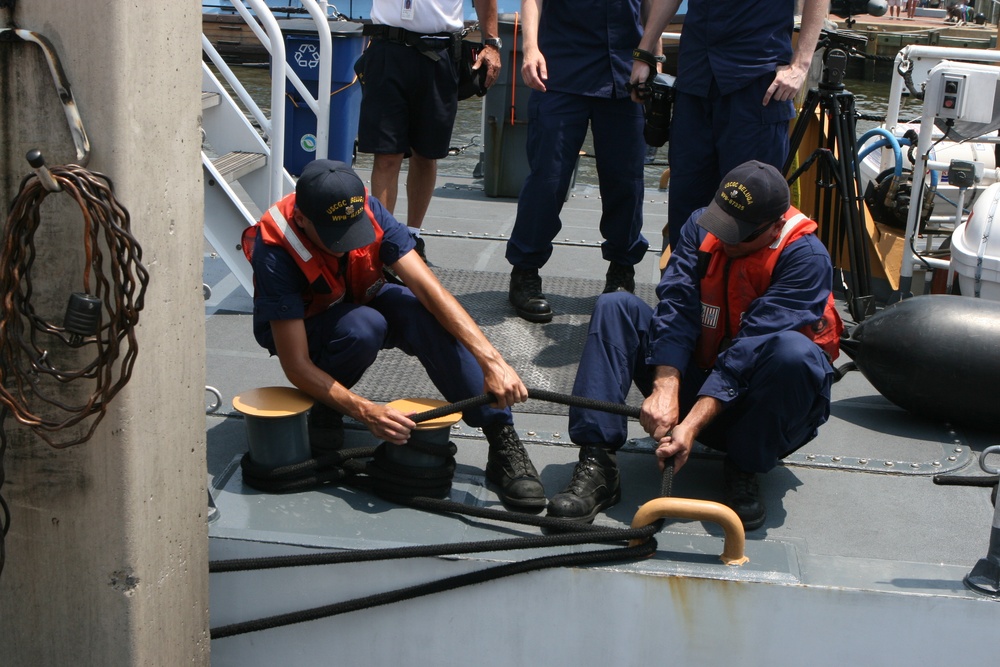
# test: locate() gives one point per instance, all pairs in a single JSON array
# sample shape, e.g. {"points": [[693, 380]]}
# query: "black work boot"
{"points": [[510, 468], [620, 277], [743, 496], [594, 487], [326, 430], [526, 296]]}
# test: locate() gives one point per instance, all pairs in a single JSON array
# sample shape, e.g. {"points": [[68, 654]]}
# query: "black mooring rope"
{"points": [[539, 394], [414, 492], [567, 535], [450, 583]]}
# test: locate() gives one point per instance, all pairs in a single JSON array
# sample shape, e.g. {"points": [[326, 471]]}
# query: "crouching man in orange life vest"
{"points": [[321, 303], [737, 352]]}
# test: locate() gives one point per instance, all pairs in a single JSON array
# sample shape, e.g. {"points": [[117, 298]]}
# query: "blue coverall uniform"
{"points": [[729, 51], [345, 339], [587, 45], [774, 381]]}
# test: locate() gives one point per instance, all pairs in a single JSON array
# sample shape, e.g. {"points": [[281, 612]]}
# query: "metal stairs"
{"points": [[235, 160]]}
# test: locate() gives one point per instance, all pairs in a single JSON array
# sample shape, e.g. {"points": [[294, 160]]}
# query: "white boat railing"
{"points": [[918, 61], [238, 88], [268, 32]]}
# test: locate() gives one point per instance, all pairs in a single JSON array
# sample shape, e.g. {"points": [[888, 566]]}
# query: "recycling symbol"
{"points": [[307, 56]]}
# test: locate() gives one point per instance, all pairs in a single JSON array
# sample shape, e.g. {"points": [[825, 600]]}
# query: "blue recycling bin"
{"points": [[302, 55]]}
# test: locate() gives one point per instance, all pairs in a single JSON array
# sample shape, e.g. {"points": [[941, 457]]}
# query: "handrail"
{"points": [[269, 34], [278, 66], [266, 43], [325, 71], [698, 510], [241, 92], [930, 57]]}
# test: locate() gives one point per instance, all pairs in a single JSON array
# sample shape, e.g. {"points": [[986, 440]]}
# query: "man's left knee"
{"points": [[792, 348]]}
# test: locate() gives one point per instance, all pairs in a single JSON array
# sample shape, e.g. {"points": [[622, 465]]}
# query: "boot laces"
{"points": [[584, 478], [531, 283], [507, 446]]}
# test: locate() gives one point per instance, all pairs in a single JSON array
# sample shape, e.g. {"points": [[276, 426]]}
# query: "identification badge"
{"points": [[407, 13]]}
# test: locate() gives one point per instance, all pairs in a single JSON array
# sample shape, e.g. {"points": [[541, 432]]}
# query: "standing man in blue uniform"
{"points": [[737, 77], [577, 60], [409, 96], [737, 353], [322, 305]]}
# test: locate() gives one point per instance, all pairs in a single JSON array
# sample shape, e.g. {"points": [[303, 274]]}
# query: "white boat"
{"points": [[952, 147]]}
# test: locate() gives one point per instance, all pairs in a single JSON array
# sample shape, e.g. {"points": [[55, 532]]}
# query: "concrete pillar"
{"points": [[106, 557]]}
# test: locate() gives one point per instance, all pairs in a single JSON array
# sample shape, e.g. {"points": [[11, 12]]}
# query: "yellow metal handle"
{"points": [[697, 510]]}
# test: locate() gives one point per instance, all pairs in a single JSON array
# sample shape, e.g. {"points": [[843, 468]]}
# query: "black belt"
{"points": [[428, 44]]}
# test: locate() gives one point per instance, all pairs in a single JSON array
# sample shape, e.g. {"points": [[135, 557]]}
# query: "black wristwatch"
{"points": [[495, 42]]}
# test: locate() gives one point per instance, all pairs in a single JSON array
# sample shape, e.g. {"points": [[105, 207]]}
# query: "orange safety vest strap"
{"points": [[730, 286], [328, 284]]}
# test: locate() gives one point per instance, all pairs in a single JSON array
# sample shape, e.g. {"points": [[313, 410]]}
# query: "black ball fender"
{"points": [[934, 355]]}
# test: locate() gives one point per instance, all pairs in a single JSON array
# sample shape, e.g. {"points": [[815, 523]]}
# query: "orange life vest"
{"points": [[327, 284], [729, 286]]}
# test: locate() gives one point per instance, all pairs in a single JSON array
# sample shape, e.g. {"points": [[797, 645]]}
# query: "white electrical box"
{"points": [[963, 91]]}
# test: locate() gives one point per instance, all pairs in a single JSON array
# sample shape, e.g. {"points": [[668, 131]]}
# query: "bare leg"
{"points": [[385, 178], [420, 183]]}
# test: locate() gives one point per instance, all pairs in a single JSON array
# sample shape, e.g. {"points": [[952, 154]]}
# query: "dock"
{"points": [[886, 35]]}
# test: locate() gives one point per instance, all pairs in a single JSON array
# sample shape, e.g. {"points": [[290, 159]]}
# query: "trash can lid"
{"points": [[337, 28]]}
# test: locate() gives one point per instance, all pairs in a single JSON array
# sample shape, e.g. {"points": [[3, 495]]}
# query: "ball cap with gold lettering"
{"points": [[751, 195], [332, 196]]}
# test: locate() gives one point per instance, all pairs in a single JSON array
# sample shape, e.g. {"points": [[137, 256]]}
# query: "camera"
{"points": [[659, 101]]}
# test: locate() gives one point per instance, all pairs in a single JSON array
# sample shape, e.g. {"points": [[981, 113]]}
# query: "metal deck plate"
{"points": [[546, 355]]}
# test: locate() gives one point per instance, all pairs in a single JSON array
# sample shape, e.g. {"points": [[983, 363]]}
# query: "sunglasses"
{"points": [[757, 233]]}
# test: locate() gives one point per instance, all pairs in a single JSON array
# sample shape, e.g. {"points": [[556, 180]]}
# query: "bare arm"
{"points": [[499, 378], [486, 12], [645, 9], [656, 14], [659, 14], [533, 69], [789, 79], [660, 410], [681, 439], [293, 352]]}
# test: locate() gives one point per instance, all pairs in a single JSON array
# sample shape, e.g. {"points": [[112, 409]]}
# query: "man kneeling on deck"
{"points": [[736, 354], [322, 305]]}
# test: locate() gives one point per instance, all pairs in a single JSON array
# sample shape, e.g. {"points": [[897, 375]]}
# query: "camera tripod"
{"points": [[838, 202]]}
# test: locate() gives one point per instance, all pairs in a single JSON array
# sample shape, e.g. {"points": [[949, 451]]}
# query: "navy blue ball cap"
{"points": [[750, 195], [332, 196]]}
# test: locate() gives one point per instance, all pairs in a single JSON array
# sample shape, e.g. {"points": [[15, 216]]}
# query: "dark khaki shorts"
{"points": [[408, 101]]}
